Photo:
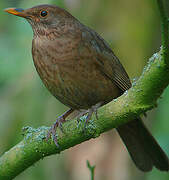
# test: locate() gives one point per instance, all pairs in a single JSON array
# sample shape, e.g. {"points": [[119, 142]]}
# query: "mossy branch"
{"points": [[164, 30], [137, 100]]}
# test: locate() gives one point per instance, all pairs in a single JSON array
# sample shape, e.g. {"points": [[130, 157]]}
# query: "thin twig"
{"points": [[91, 168]]}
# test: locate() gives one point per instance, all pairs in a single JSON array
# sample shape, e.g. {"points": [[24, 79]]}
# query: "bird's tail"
{"points": [[142, 147]]}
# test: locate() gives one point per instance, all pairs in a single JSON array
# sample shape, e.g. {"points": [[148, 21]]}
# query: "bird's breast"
{"points": [[55, 62]]}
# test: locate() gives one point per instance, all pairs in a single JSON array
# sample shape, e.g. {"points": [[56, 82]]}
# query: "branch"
{"points": [[137, 100], [140, 98], [164, 30]]}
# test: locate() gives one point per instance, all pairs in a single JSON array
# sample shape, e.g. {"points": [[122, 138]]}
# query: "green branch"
{"points": [[164, 30], [140, 98]]}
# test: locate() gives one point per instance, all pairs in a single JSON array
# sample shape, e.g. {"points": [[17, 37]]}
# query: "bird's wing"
{"points": [[105, 59]]}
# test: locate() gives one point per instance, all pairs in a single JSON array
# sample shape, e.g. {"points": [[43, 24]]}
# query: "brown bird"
{"points": [[79, 68]]}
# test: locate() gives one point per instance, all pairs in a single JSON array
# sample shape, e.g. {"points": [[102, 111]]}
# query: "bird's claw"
{"points": [[92, 110], [52, 130]]}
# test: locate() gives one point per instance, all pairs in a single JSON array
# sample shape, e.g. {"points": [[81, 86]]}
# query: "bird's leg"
{"points": [[61, 119], [92, 110]]}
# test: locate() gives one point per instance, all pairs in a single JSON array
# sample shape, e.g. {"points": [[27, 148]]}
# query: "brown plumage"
{"points": [[79, 69]]}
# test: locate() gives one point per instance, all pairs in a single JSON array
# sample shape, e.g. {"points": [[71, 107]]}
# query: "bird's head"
{"points": [[42, 16]]}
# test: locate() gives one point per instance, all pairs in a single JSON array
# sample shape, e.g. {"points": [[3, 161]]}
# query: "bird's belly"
{"points": [[75, 82], [77, 87]]}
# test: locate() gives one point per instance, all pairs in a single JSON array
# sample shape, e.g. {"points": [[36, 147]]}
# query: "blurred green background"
{"points": [[132, 28]]}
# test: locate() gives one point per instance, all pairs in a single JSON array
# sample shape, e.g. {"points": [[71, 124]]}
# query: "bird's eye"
{"points": [[43, 13]]}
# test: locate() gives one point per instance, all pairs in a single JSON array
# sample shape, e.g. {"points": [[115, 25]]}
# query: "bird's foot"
{"points": [[92, 110], [89, 113], [52, 131]]}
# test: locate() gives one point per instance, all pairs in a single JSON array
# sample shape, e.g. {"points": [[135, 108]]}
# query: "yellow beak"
{"points": [[16, 11]]}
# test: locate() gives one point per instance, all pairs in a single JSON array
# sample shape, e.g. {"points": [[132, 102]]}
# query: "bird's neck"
{"points": [[45, 33], [56, 31]]}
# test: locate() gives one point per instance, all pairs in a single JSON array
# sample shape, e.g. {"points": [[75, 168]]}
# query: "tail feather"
{"points": [[143, 148]]}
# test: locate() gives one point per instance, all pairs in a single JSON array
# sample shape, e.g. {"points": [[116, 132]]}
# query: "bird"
{"points": [[80, 69]]}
